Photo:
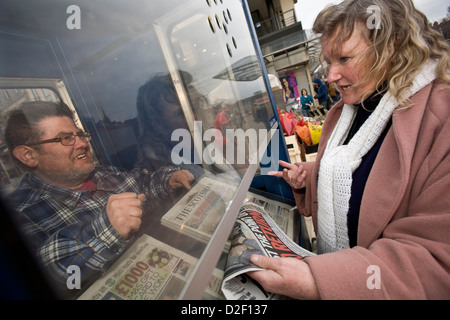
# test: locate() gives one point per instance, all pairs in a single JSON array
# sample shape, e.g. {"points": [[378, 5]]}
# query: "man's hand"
{"points": [[124, 212], [181, 178], [292, 174], [285, 276]]}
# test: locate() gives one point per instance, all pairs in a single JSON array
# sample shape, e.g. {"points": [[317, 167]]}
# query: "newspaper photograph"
{"points": [[199, 211], [281, 213], [254, 232], [150, 270]]}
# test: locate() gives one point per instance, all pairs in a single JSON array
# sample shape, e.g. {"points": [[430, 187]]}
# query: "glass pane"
{"points": [[161, 87]]}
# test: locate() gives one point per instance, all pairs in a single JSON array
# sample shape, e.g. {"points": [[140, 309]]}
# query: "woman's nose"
{"points": [[334, 74]]}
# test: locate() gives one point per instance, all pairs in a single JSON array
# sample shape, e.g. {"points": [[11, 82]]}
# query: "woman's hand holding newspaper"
{"points": [[288, 276]]}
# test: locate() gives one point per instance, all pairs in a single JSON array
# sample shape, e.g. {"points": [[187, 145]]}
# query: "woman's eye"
{"points": [[343, 59]]}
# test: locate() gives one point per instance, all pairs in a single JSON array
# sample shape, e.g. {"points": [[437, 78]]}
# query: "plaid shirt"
{"points": [[69, 227]]}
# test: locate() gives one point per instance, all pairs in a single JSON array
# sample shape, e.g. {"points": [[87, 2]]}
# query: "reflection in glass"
{"points": [[159, 114], [136, 73]]}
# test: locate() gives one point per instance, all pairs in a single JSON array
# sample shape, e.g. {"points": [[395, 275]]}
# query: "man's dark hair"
{"points": [[21, 125]]}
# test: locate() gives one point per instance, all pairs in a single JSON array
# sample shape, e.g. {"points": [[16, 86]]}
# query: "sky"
{"points": [[307, 10]]}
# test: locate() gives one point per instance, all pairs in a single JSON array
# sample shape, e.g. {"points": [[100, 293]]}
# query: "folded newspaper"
{"points": [[255, 232], [150, 270], [199, 211]]}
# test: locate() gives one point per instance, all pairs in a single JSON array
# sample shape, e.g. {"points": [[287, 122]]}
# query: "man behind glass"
{"points": [[74, 213]]}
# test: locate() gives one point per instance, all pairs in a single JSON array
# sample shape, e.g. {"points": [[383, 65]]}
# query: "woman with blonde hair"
{"points": [[378, 191]]}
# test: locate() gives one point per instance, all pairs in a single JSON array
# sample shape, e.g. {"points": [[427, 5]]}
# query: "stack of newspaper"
{"points": [[151, 269], [199, 212]]}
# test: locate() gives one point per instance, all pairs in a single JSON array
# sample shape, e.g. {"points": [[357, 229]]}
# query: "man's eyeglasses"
{"points": [[67, 139]]}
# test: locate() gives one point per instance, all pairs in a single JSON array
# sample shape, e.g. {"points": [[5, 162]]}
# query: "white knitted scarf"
{"points": [[340, 161]]}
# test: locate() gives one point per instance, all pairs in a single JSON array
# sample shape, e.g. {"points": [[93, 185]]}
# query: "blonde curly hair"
{"points": [[400, 44]]}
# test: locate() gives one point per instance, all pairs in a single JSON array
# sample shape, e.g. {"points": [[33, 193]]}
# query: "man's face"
{"points": [[349, 64], [65, 166]]}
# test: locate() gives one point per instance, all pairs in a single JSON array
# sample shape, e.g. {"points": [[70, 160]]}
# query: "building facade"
{"points": [[288, 50]]}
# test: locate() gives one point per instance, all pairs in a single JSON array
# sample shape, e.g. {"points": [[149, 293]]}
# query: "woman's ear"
{"points": [[25, 155]]}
